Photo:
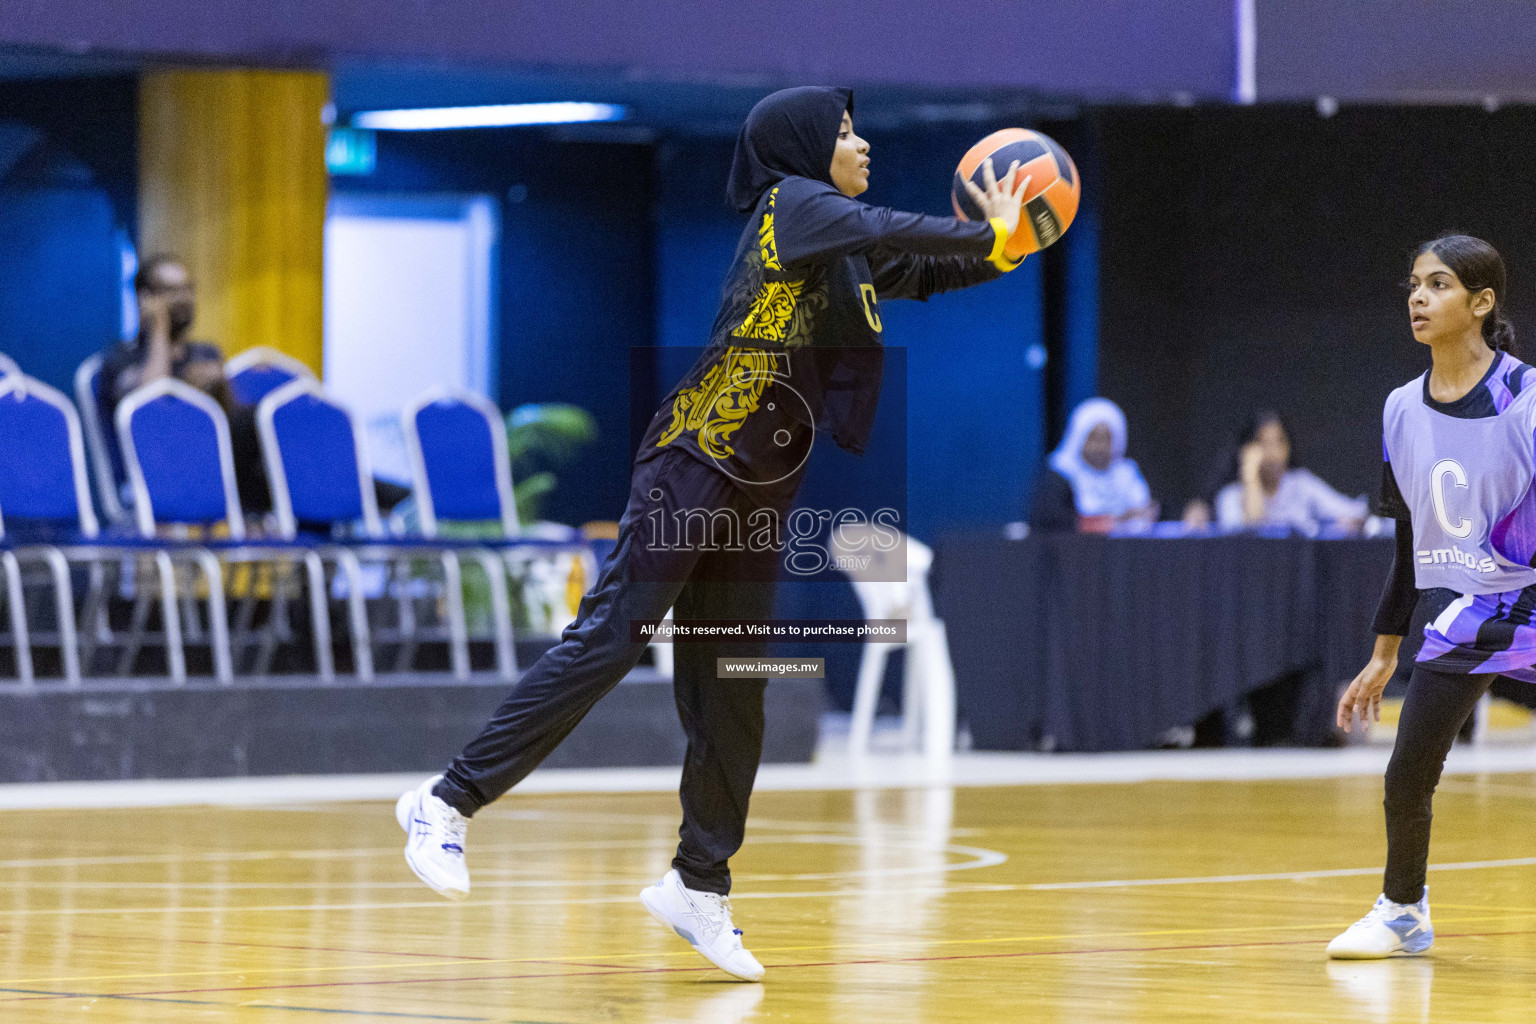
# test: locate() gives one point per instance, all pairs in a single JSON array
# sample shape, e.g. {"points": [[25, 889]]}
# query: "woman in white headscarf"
{"points": [[1090, 485]]}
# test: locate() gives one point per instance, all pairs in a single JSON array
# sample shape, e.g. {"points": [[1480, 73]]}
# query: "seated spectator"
{"points": [[1090, 486], [163, 348], [1268, 491]]}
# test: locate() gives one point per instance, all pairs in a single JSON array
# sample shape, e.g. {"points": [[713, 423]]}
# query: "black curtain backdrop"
{"points": [[1253, 257]]}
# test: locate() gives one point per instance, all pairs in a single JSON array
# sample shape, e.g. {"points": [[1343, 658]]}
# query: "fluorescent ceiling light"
{"points": [[498, 116]]}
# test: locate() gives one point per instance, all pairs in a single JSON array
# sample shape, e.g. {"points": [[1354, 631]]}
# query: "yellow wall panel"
{"points": [[232, 179]]}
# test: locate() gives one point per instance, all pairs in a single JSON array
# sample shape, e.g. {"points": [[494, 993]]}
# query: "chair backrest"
{"points": [[42, 462], [8, 365], [457, 442], [317, 460], [105, 457], [176, 447], [890, 581], [257, 372]]}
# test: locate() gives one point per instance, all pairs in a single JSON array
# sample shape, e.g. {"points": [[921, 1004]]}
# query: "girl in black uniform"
{"points": [[794, 351]]}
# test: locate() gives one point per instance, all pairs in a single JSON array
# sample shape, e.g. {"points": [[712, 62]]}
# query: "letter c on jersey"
{"points": [[867, 293], [1449, 468]]}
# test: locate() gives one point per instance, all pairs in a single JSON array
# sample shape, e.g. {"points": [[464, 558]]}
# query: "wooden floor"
{"points": [[1179, 901]]}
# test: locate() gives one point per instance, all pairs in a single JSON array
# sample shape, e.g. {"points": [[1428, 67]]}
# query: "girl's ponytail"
{"points": [[1498, 332]]}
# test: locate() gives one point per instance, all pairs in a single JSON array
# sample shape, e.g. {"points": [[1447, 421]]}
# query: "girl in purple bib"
{"points": [[1458, 467]]}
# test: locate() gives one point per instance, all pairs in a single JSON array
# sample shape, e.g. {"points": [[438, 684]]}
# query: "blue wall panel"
{"points": [[60, 266], [68, 194]]}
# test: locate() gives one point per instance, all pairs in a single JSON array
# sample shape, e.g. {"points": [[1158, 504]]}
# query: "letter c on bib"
{"points": [[1449, 468]]}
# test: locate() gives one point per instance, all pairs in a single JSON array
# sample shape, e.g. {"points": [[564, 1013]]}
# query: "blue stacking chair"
{"points": [[36, 482], [43, 479], [257, 372], [176, 449], [461, 472], [457, 445], [441, 426], [106, 459], [317, 465]]}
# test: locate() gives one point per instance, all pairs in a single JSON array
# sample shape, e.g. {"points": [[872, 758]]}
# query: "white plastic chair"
{"points": [[928, 690], [666, 665]]}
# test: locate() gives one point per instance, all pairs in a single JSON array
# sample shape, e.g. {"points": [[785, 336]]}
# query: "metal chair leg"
{"points": [[136, 627], [277, 620], [218, 617], [501, 614], [20, 636], [453, 600], [320, 618], [64, 601], [191, 622], [94, 628], [240, 632], [175, 653], [357, 609], [405, 608]]}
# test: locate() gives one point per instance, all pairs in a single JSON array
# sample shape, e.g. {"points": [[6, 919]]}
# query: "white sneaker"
{"points": [[1389, 928], [703, 920], [435, 845]]}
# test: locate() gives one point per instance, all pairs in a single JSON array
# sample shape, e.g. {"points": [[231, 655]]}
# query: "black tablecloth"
{"points": [[1097, 643]]}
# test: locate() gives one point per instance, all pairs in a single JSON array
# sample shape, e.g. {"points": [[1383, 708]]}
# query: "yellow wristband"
{"points": [[997, 257]]}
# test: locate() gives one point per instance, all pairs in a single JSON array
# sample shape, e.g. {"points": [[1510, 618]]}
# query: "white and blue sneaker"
{"points": [[703, 920], [434, 847], [1389, 928]]}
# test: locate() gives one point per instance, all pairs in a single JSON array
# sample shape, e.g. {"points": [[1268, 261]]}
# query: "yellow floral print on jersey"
{"points": [[774, 307], [771, 312], [718, 405], [767, 245]]}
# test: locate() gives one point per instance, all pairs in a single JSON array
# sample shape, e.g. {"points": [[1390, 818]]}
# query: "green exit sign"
{"points": [[351, 151]]}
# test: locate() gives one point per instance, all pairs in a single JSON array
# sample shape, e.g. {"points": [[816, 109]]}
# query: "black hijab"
{"points": [[790, 132]]}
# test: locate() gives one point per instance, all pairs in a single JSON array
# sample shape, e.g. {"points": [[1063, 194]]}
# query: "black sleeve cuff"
{"points": [[1399, 595]]}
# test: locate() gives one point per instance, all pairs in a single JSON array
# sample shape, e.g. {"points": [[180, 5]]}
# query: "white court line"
{"points": [[861, 893], [829, 773], [1276, 876], [984, 858], [979, 858]]}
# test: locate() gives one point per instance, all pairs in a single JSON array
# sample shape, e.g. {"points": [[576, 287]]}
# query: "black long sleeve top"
{"points": [[796, 346], [1400, 593]]}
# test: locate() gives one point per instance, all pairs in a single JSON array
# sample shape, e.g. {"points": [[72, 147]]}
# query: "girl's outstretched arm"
{"points": [[904, 275], [815, 220]]}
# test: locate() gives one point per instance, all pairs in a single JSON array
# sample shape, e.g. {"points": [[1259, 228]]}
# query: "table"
{"points": [[1095, 643]]}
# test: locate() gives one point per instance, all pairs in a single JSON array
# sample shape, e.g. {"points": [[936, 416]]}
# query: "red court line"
{"points": [[302, 949], [822, 963], [382, 981]]}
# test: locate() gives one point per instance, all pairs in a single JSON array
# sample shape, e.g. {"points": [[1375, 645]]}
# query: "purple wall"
{"points": [[1097, 48], [1427, 50]]}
